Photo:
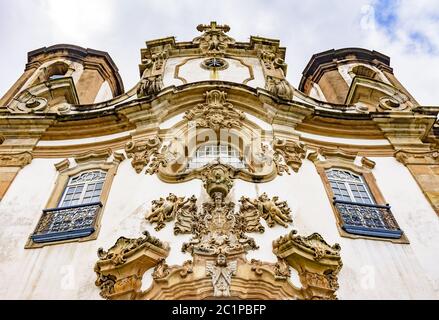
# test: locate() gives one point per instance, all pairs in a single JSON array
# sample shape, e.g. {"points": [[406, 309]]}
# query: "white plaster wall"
{"points": [[191, 71], [104, 93], [371, 269]]}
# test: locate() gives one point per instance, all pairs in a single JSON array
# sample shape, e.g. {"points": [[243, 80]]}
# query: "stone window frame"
{"points": [[339, 159], [234, 153], [99, 160]]}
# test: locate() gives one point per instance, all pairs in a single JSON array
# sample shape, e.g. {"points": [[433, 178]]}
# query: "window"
{"points": [[348, 186], [214, 64], [83, 188], [75, 208], [357, 208], [225, 154]]}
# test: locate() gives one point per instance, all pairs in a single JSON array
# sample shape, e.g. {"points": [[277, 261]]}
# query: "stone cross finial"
{"points": [[213, 26]]}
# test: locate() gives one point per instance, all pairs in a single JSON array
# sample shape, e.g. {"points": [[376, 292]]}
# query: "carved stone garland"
{"points": [[219, 246]]}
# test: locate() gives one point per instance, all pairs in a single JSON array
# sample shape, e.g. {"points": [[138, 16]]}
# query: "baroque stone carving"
{"points": [[29, 104], [218, 229], [292, 152], [165, 210], [215, 113], [407, 157], [141, 152], [161, 270], [282, 269], [213, 41], [251, 216], [271, 61], [269, 156], [272, 210], [118, 253], [315, 243], [157, 60], [279, 88], [185, 214], [15, 159], [219, 246], [119, 270], [216, 178], [150, 86], [221, 272], [106, 285]]}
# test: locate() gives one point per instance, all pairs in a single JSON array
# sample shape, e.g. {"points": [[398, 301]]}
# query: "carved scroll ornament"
{"points": [[292, 152], [148, 153], [150, 86], [279, 87]]}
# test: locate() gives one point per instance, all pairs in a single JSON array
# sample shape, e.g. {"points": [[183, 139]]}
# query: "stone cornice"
{"points": [[125, 113]]}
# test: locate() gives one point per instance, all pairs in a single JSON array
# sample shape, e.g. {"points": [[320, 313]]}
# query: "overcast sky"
{"points": [[407, 31]]}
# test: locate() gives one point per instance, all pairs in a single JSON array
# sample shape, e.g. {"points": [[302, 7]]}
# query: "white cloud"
{"points": [[304, 28], [79, 20]]}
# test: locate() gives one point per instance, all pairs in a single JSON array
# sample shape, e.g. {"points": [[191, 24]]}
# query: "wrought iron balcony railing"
{"points": [[67, 222], [368, 219]]}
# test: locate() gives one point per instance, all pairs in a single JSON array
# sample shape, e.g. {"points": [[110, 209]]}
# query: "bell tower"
{"points": [[65, 74]]}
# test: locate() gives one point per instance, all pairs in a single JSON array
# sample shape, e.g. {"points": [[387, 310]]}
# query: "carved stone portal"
{"points": [[218, 247]]}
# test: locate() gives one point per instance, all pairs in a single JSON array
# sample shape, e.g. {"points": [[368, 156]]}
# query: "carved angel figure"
{"points": [[221, 273], [164, 210], [273, 210]]}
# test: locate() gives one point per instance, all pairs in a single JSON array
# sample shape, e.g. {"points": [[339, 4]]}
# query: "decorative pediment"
{"points": [[214, 40], [119, 270]]}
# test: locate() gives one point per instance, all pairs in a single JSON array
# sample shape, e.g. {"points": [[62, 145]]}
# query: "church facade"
{"points": [[215, 178]]}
